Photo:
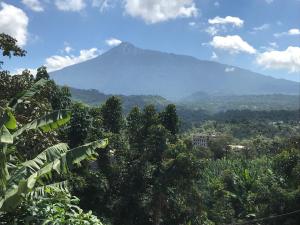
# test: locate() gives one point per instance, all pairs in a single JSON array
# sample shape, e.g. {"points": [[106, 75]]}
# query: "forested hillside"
{"points": [[202, 101], [63, 162], [94, 98]]}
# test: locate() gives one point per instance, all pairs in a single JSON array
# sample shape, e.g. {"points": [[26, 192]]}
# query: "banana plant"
{"points": [[20, 179]]}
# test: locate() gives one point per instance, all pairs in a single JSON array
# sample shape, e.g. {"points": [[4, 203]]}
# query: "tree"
{"points": [[156, 145], [18, 178], [112, 115], [218, 145], [134, 127], [149, 118], [9, 46], [79, 125], [42, 73], [169, 119]]}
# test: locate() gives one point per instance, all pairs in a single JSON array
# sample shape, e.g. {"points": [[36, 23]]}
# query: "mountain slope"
{"points": [[129, 70], [96, 98]]}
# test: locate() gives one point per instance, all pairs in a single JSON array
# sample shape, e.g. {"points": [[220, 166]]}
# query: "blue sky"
{"points": [[260, 35]]}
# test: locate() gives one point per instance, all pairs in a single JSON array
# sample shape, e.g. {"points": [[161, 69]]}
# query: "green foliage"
{"points": [[170, 120], [149, 118], [54, 207], [218, 145], [241, 190], [93, 97], [9, 47], [46, 123], [149, 173], [134, 127], [27, 94], [112, 115], [217, 103], [18, 178], [24, 177], [42, 74], [79, 125]]}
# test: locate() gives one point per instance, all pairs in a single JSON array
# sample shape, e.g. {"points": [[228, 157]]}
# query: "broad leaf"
{"points": [[47, 123], [41, 190], [48, 155], [28, 93], [12, 122], [24, 181], [67, 161], [5, 136]]}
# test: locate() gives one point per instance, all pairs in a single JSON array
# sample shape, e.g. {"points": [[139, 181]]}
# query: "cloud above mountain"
{"points": [[234, 21], [233, 44], [287, 59], [57, 62], [290, 32], [154, 11], [113, 42], [218, 24]]}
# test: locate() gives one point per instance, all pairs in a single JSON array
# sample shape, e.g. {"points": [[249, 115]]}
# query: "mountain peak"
{"points": [[126, 44], [125, 48], [131, 70]]}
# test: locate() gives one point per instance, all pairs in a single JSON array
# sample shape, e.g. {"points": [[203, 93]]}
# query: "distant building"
{"points": [[236, 147], [201, 140]]}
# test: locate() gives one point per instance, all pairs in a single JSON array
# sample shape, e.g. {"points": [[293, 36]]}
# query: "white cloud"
{"points": [[262, 27], [288, 59], [214, 56], [113, 42], [34, 5], [229, 69], [20, 70], [233, 44], [212, 30], [294, 32], [290, 32], [14, 21], [103, 4], [192, 24], [57, 62], [70, 5], [273, 44], [68, 49], [269, 1], [271, 47], [234, 21], [217, 4], [154, 11]]}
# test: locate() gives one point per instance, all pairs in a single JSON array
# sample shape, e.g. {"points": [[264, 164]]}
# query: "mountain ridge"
{"points": [[129, 70]]}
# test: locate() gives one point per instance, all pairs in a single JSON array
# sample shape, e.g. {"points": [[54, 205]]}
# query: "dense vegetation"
{"points": [[94, 98], [216, 103], [198, 101], [147, 172]]}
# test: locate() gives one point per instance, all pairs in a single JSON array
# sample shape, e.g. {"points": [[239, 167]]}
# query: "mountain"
{"points": [[94, 97], [129, 70]]}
